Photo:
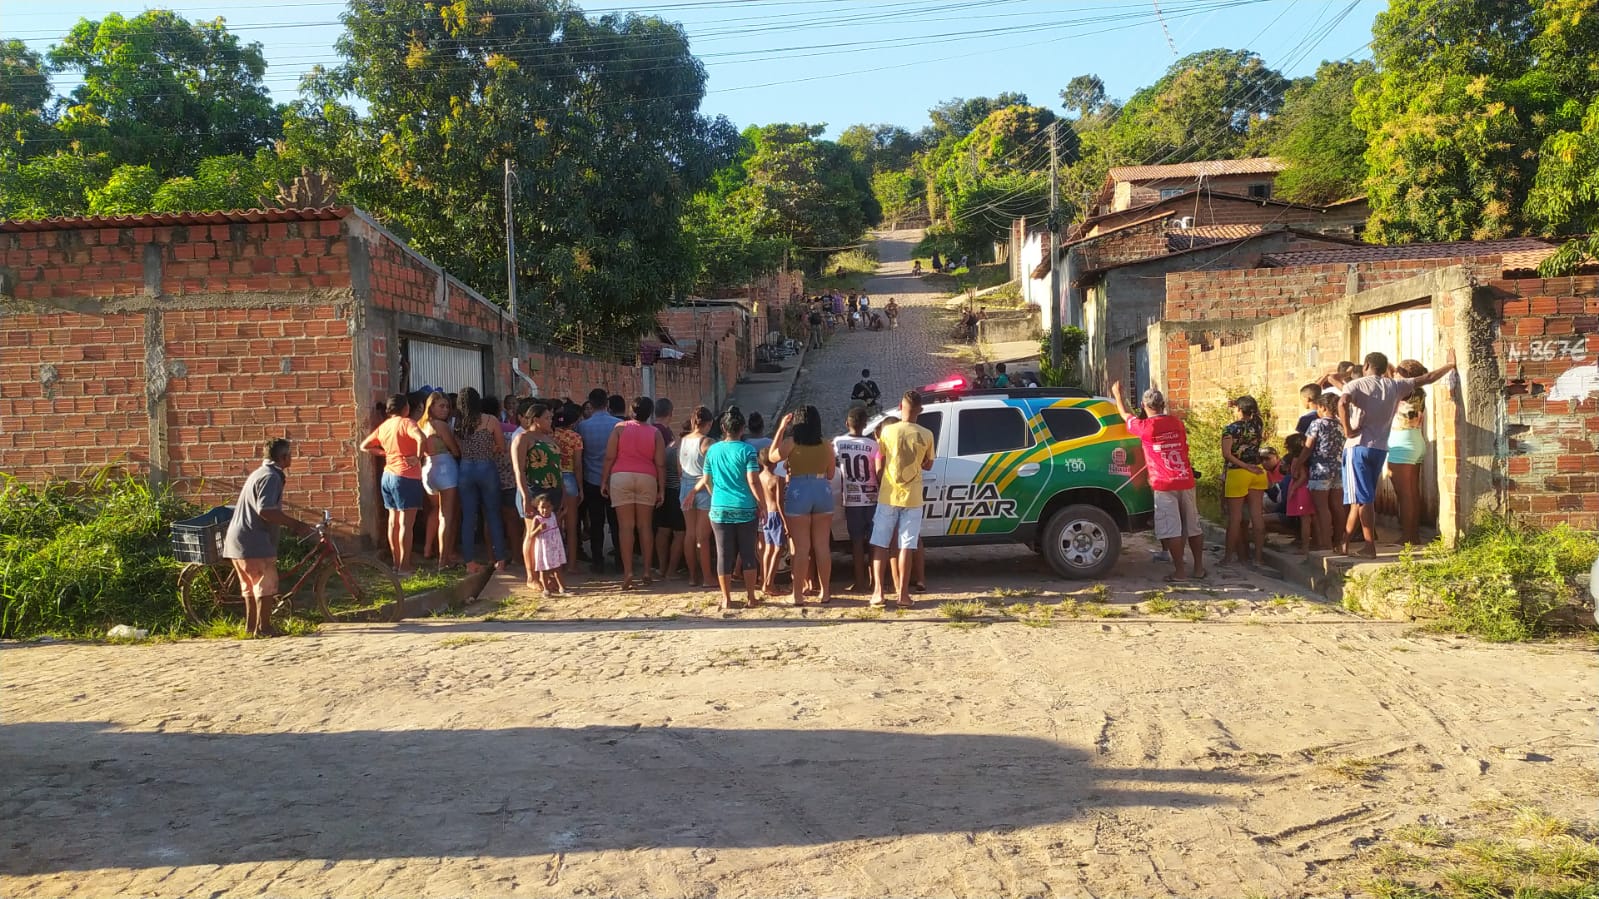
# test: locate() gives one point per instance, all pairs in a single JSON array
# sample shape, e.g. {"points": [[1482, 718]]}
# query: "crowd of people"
{"points": [[853, 310], [546, 481], [1358, 420]]}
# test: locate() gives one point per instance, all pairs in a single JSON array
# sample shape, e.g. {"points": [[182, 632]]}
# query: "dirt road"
{"points": [[797, 757]]}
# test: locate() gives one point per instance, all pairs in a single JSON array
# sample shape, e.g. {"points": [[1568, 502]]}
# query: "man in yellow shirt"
{"points": [[905, 451]]}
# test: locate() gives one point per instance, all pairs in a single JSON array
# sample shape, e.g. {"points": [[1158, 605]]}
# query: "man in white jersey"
{"points": [[856, 453]]}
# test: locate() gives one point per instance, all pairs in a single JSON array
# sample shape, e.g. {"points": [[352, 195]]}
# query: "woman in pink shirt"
{"points": [[633, 478]]}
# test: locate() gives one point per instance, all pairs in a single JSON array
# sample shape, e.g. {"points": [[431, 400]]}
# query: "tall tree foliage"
{"points": [[599, 117], [1317, 137], [162, 91], [26, 107]]}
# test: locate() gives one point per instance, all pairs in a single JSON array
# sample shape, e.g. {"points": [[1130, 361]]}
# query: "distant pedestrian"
{"points": [[1171, 477], [251, 542], [1001, 377], [866, 391]]}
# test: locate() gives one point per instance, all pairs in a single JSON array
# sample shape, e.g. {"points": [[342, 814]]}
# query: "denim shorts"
{"points": [[894, 527], [570, 485], [808, 495], [401, 493], [440, 473], [702, 500]]}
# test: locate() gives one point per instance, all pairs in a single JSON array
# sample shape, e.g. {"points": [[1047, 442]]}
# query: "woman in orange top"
{"points": [[399, 441]]}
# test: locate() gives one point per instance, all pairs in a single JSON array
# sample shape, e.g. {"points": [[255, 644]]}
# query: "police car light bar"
{"points": [[944, 386]]}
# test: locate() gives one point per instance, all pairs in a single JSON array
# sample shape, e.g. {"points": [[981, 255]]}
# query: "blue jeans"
{"points": [[480, 494]]}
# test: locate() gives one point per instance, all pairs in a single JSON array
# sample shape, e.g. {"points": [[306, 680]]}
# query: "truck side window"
{"points": [[994, 430], [1069, 424]]}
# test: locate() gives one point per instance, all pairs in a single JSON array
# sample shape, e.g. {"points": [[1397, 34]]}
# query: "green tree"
{"points": [[25, 107], [880, 148], [956, 118], [1085, 95], [161, 91], [901, 196], [802, 189], [1317, 137], [221, 183], [1564, 198], [130, 190], [49, 185], [1450, 119], [599, 118]]}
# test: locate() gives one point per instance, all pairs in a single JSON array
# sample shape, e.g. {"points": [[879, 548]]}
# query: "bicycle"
{"points": [[209, 589]]}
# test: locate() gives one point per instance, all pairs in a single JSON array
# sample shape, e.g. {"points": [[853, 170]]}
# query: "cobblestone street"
{"points": [[916, 353]]}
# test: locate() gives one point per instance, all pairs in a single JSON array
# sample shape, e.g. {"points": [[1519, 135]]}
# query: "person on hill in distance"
{"points": [[906, 450], [1366, 411], [1171, 477], [399, 441], [251, 542]]}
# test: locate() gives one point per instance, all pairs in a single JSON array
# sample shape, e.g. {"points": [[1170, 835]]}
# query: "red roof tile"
{"points": [[1518, 247], [1205, 235], [152, 219]]}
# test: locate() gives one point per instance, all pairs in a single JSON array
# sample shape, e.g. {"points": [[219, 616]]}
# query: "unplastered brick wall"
{"points": [[1129, 244], [71, 393], [177, 350], [1547, 346]]}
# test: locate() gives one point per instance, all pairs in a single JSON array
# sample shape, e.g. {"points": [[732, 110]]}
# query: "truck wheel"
{"points": [[1082, 542]]}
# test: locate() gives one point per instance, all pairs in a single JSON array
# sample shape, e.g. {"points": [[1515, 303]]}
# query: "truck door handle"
{"points": [[1028, 470]]}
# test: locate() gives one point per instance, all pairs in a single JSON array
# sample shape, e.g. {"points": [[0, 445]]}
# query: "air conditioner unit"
{"points": [[1185, 222]]}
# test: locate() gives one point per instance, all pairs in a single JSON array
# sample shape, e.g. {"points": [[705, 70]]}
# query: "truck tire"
{"points": [[1082, 542]]}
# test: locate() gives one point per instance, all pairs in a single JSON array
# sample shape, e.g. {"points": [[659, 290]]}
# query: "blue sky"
{"points": [[848, 61]]}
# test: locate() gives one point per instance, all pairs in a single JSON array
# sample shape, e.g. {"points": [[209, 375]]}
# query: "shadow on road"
{"points": [[79, 796]]}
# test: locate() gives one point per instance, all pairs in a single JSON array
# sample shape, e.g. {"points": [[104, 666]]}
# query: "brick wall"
{"points": [[1548, 348]]}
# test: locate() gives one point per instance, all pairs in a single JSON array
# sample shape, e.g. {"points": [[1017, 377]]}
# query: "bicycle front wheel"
{"points": [[207, 594], [357, 585]]}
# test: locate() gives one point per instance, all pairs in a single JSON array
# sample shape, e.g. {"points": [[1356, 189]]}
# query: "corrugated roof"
{"points": [[1259, 165], [153, 219], [1520, 248]]}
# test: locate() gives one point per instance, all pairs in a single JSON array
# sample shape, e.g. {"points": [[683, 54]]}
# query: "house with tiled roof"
{"points": [[1131, 186]]}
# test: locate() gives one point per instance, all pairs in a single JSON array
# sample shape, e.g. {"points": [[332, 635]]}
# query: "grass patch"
{"points": [[1230, 605], [867, 613], [1098, 593], [1355, 769], [79, 557], [1503, 584], [1281, 600], [1032, 614], [1100, 610], [961, 611], [1423, 834], [1192, 611], [1007, 296], [850, 269], [1159, 602], [1016, 593], [233, 628], [1532, 822], [423, 581]]}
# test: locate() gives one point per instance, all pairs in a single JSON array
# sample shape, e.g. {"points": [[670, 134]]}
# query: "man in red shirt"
{"points": [[1171, 476]]}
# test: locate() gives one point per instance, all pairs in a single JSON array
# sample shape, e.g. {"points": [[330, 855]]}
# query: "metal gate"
{"points": [[443, 366], [1407, 334]]}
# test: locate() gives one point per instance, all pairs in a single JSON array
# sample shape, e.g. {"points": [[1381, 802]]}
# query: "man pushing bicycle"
{"points": [[252, 539]]}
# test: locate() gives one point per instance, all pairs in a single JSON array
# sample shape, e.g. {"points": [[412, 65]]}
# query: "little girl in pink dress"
{"points": [[549, 553]]}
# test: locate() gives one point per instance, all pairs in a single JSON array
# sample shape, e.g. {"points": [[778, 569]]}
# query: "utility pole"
{"points": [[510, 257], [1056, 334]]}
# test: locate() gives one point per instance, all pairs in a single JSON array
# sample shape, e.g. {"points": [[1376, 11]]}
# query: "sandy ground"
{"points": [[628, 745], [635, 744]]}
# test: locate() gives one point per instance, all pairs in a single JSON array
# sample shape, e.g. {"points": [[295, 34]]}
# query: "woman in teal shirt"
{"points": [[731, 469]]}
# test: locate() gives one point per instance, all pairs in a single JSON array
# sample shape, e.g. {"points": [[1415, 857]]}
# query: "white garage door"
{"points": [[1407, 334], [444, 366]]}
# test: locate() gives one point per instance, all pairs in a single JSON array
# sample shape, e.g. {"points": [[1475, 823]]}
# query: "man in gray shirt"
{"points": [[252, 539], [1373, 400], [596, 509]]}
